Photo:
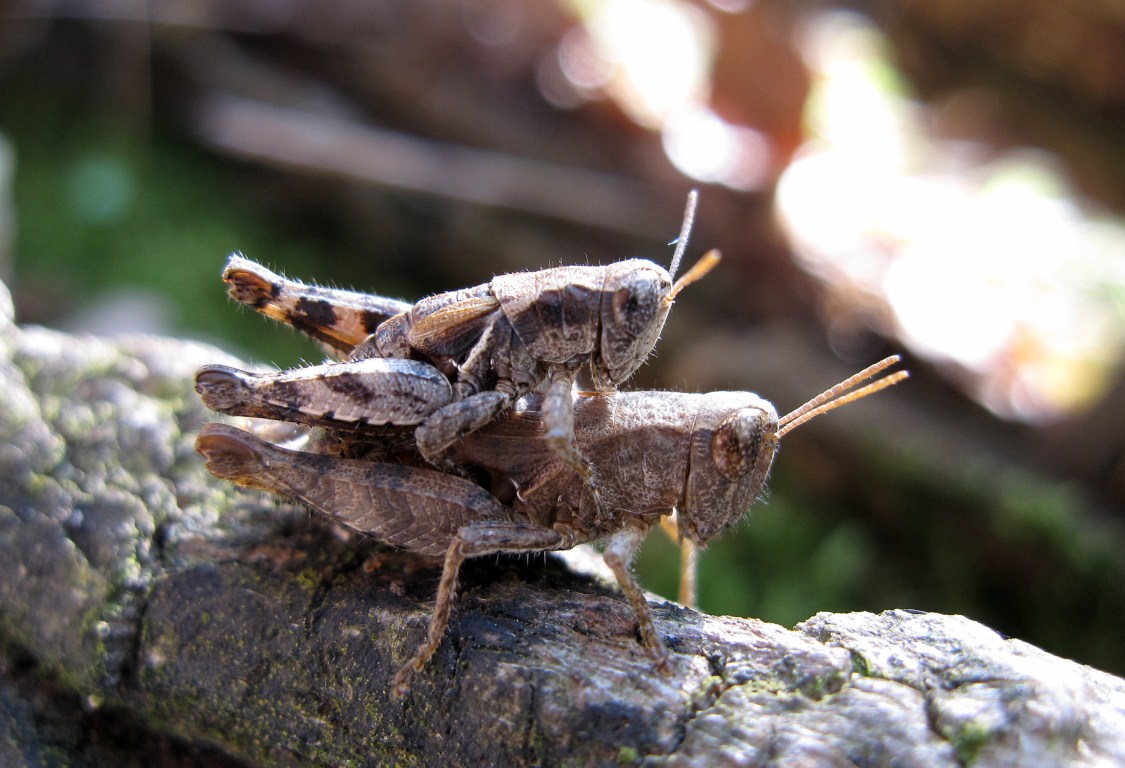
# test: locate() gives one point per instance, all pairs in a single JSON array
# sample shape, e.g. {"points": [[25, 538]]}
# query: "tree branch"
{"points": [[248, 629]]}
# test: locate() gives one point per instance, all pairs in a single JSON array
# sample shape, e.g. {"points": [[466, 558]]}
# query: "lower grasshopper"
{"points": [[711, 454]]}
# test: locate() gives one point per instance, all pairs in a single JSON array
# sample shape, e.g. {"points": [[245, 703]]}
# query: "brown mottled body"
{"points": [[447, 367], [499, 340], [659, 445], [702, 457]]}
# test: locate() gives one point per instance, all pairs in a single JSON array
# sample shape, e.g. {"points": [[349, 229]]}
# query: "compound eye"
{"points": [[635, 307], [739, 441]]}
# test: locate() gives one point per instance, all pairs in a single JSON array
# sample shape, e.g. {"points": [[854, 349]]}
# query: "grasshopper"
{"points": [[496, 342], [704, 456]]}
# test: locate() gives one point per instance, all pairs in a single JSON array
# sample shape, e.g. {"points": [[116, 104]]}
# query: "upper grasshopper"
{"points": [[706, 457], [497, 341]]}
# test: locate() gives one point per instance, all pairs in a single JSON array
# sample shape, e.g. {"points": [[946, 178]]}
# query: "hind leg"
{"points": [[419, 510], [349, 395], [474, 540]]}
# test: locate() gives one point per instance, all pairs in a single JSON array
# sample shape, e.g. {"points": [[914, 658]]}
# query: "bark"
{"points": [[149, 612]]}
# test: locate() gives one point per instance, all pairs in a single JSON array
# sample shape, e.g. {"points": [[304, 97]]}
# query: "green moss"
{"points": [[704, 696], [969, 741], [861, 665], [628, 756], [823, 685], [309, 579]]}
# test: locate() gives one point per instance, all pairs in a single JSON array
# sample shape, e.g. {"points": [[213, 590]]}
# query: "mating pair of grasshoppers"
{"points": [[451, 428]]}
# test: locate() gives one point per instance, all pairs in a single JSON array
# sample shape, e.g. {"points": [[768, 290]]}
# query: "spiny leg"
{"points": [[474, 540], [558, 419], [688, 594], [619, 554], [340, 319], [448, 424], [471, 409], [689, 571], [372, 392], [419, 510]]}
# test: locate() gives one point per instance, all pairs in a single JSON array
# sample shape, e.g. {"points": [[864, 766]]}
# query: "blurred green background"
{"points": [[410, 148]]}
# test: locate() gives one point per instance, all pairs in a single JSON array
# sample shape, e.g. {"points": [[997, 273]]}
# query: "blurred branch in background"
{"points": [[944, 177], [301, 142]]}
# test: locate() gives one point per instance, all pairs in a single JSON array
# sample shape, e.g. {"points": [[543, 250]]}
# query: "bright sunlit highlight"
{"points": [[659, 53], [709, 149], [653, 58], [993, 268]]}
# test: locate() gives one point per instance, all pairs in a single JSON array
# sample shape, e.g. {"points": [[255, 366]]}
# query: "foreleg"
{"points": [[558, 421], [689, 555]]}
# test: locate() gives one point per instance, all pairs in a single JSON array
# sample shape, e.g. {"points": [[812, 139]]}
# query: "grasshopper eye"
{"points": [[738, 443], [635, 307]]}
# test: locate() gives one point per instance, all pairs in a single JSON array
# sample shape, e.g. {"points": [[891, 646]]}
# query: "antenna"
{"points": [[705, 264], [685, 231], [839, 394]]}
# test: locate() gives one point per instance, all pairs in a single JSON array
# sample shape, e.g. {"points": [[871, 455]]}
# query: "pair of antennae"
{"points": [[705, 264], [839, 394], [825, 401]]}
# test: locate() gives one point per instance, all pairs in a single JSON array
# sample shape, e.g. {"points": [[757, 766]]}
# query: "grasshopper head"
{"points": [[633, 311], [636, 297], [732, 448], [734, 442]]}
